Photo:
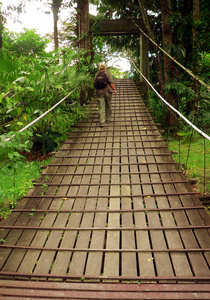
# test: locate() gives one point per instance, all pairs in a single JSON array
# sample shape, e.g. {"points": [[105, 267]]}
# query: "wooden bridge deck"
{"points": [[113, 207]]}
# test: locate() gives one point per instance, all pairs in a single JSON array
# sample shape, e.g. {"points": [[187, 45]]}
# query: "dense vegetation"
{"points": [[33, 80], [30, 84]]}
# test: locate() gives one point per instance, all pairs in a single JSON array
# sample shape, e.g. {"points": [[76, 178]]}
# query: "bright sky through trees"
{"points": [[34, 17]]}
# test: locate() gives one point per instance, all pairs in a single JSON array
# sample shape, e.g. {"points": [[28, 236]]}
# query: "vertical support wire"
{"points": [[179, 123], [179, 140], [204, 154], [204, 171], [45, 97], [188, 152]]}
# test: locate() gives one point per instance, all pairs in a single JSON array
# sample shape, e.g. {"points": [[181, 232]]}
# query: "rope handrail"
{"points": [[170, 106], [178, 63], [45, 113]]}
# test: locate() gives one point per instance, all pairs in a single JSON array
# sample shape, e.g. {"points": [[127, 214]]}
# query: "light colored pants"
{"points": [[104, 107]]}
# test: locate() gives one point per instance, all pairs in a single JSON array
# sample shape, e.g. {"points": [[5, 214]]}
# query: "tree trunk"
{"points": [[144, 65], [196, 17], [188, 7], [56, 44], [188, 44], [168, 63], [84, 42], [152, 36], [56, 6], [83, 24]]}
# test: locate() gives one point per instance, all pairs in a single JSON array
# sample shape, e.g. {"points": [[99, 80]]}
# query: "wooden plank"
{"points": [[198, 263], [112, 260], [31, 259], [157, 238], [196, 218], [78, 262], [63, 260], [95, 260], [46, 259], [43, 294], [146, 260], [129, 263], [145, 263], [56, 286], [179, 260]]}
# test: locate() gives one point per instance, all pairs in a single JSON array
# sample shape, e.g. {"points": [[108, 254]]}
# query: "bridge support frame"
{"points": [[124, 27], [144, 63]]}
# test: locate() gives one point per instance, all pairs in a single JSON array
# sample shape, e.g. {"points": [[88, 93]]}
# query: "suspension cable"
{"points": [[170, 106], [185, 69], [45, 113]]}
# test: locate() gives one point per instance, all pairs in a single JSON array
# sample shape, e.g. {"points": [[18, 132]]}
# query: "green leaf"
{"points": [[30, 89], [20, 79], [10, 155], [89, 59], [20, 89], [9, 110], [30, 133], [16, 154], [183, 50]]}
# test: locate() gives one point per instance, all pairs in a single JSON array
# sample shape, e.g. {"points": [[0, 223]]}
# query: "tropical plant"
{"points": [[26, 43]]}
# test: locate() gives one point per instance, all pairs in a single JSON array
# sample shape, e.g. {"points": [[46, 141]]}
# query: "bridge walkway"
{"points": [[112, 208]]}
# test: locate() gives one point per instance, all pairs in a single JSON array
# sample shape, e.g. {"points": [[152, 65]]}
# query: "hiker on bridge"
{"points": [[104, 88]]}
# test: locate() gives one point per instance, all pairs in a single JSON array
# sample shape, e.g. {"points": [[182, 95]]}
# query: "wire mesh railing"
{"points": [[179, 116]]}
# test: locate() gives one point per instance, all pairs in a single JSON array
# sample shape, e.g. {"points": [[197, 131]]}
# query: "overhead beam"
{"points": [[117, 27]]}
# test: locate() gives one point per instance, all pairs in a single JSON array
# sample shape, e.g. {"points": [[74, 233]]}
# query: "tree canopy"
{"points": [[27, 42]]}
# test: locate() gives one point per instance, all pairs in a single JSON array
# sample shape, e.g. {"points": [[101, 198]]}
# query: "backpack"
{"points": [[101, 81]]}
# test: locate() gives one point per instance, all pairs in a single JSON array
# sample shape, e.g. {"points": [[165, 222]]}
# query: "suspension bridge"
{"points": [[111, 217]]}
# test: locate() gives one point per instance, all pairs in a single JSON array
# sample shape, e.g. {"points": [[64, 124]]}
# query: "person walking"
{"points": [[104, 85]]}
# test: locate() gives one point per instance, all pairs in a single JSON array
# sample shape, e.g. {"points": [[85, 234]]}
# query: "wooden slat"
{"points": [[145, 260], [112, 260], [95, 261], [172, 237], [128, 260], [41, 290], [105, 287], [198, 263]]}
